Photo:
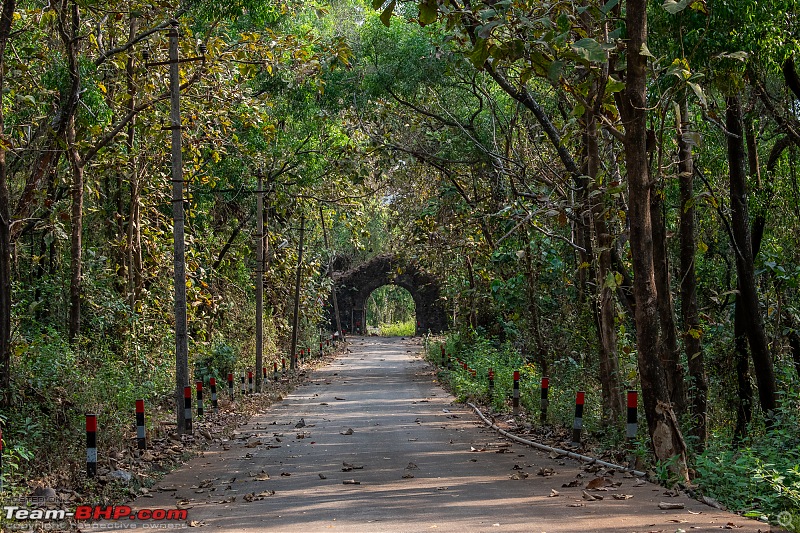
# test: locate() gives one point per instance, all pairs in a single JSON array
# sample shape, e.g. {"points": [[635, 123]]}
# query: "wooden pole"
{"points": [[179, 265], [259, 280], [293, 363], [333, 289]]}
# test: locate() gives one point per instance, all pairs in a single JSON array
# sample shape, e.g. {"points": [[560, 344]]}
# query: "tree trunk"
{"points": [[744, 411], [6, 20], [604, 308], [670, 352], [663, 426], [688, 283], [740, 226], [76, 235]]}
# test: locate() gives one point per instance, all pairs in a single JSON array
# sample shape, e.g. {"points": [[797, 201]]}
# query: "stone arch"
{"points": [[354, 287]]}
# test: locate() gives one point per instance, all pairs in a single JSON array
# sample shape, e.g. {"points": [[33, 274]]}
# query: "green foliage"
{"points": [[218, 364], [398, 329]]}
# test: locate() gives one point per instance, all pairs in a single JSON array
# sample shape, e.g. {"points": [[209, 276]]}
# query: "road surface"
{"points": [[381, 447]]}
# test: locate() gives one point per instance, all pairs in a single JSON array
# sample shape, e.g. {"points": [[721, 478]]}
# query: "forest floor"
{"points": [[371, 443]]}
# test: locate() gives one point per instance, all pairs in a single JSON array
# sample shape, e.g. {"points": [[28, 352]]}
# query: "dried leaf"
{"points": [[554, 493], [622, 496], [351, 482], [597, 483], [664, 506]]}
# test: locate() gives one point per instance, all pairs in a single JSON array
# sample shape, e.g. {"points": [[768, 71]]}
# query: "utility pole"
{"points": [[297, 293], [179, 264], [333, 290], [260, 280]]}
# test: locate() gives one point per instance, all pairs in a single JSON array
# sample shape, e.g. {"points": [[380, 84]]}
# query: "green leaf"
{"points": [[698, 91], [611, 4], [427, 13], [386, 16], [591, 50], [485, 31], [480, 54], [673, 7], [614, 85], [645, 51]]}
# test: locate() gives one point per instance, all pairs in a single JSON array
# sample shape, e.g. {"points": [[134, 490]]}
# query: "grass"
{"points": [[398, 329]]}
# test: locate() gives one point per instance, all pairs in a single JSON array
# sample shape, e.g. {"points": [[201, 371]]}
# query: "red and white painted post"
{"points": [[141, 437], [283, 366], [320, 350], [491, 384], [230, 385], [244, 387], [250, 380], [213, 384], [515, 395], [187, 408], [632, 427], [199, 386], [577, 426], [91, 445], [275, 371], [545, 401]]}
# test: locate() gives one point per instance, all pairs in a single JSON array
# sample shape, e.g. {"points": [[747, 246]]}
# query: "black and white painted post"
{"points": [[491, 384], [213, 384], [187, 408], [91, 445], [515, 395], [244, 387], [230, 385], [545, 401], [632, 427], [577, 426], [141, 437], [199, 386]]}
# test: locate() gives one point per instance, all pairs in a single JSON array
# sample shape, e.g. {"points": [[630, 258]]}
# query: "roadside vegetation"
{"points": [[607, 191]]}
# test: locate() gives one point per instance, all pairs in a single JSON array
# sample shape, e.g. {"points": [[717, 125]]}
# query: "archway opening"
{"points": [[391, 312]]}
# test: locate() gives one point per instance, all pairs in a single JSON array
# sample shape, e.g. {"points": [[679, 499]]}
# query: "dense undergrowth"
{"points": [[759, 478]]}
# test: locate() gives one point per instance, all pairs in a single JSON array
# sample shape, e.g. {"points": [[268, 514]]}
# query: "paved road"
{"points": [[403, 424]]}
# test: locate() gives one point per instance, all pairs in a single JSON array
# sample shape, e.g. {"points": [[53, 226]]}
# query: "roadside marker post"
{"points": [[545, 402], [230, 385], [250, 380], [199, 386], [577, 426], [187, 408], [491, 384], [91, 445], [283, 366], [275, 371], [213, 384], [632, 426], [244, 388], [320, 350], [141, 437], [444, 356], [515, 395]]}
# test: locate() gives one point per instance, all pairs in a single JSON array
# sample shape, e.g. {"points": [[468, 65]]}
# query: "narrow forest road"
{"points": [[403, 424]]}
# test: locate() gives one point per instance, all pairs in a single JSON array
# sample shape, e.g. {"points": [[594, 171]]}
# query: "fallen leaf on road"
{"points": [[285, 474], [195, 523], [591, 497], [576, 505], [554, 493], [545, 472], [519, 475], [407, 475], [474, 449], [411, 466], [639, 482], [713, 503], [322, 476], [351, 482], [340, 399], [554, 455], [348, 431], [622, 496], [575, 483], [664, 506], [597, 483]]}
